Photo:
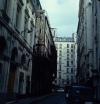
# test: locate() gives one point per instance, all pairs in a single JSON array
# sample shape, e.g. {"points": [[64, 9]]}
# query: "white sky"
{"points": [[63, 15]]}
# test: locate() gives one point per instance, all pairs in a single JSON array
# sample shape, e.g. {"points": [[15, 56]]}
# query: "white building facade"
{"points": [[66, 60]]}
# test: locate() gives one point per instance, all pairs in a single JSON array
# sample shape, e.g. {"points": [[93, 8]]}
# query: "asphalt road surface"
{"points": [[58, 98]]}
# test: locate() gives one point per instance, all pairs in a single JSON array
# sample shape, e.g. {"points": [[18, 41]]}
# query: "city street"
{"points": [[54, 99], [57, 98], [49, 52]]}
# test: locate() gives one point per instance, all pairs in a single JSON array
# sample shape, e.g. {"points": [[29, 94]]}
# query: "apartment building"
{"points": [[66, 60]]}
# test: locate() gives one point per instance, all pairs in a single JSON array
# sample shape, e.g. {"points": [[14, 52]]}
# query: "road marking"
{"points": [[11, 102]]}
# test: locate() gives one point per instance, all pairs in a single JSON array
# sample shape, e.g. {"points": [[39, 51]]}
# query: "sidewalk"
{"points": [[29, 100]]}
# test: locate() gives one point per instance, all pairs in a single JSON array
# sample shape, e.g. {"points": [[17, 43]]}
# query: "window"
{"points": [[72, 46], [59, 75], [67, 63], [59, 58], [25, 26], [71, 62], [23, 59], [67, 70], [18, 14], [31, 34], [60, 53], [71, 50], [27, 1], [67, 45], [67, 50], [71, 70], [59, 67], [71, 55], [67, 56]]}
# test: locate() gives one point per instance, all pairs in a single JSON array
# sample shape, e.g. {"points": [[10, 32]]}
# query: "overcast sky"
{"points": [[63, 15]]}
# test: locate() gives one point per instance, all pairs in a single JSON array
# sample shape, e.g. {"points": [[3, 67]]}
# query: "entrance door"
{"points": [[11, 81], [12, 71]]}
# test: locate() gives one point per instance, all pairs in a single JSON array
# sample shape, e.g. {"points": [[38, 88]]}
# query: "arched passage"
{"points": [[12, 70]]}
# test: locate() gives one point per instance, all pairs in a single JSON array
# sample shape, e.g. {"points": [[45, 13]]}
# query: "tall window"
{"points": [[71, 70], [67, 70], [67, 45], [67, 63], [60, 53], [2, 4], [18, 12], [32, 34], [71, 62], [59, 67], [71, 50], [71, 55], [67, 50], [25, 26], [59, 75], [67, 56], [72, 46]]}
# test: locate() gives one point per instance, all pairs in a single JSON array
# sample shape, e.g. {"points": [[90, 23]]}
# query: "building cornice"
{"points": [[16, 35]]}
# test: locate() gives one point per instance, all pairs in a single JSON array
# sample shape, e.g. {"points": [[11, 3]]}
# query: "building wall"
{"points": [[96, 46], [16, 45], [66, 57], [85, 39], [44, 57], [88, 44]]}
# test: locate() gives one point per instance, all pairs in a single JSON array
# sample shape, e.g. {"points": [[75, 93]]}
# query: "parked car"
{"points": [[78, 94], [60, 89]]}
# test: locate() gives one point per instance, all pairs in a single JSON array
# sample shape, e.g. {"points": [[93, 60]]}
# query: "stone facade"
{"points": [[44, 58], [26, 40], [88, 44], [17, 22]]}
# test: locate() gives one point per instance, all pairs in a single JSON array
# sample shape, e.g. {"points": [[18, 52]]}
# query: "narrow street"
{"points": [[49, 52], [54, 99], [57, 98]]}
